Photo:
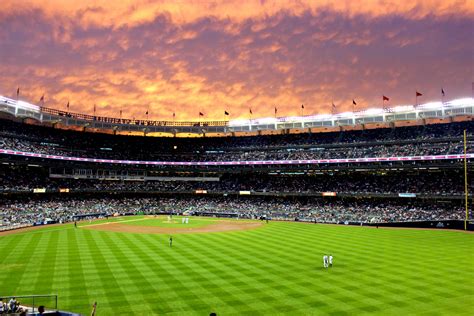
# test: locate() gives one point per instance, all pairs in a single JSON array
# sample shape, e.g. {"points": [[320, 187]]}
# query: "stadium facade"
{"points": [[432, 110]]}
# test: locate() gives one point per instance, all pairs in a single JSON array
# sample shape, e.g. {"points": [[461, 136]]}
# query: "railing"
{"points": [[34, 299], [240, 163], [112, 120]]}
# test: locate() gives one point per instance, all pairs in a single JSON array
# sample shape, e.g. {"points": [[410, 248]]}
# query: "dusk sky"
{"points": [[209, 56]]}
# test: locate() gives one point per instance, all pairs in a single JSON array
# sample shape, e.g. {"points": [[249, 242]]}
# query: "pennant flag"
{"points": [[120, 113], [67, 105], [201, 114], [302, 106], [226, 113], [250, 110], [354, 102], [418, 94], [42, 98], [174, 115], [384, 98], [276, 110], [442, 92], [17, 92]]}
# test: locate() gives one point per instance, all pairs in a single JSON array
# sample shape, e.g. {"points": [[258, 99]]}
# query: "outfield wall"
{"points": [[450, 224]]}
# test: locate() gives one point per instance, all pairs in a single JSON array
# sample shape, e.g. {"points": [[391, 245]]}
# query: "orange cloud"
{"points": [[210, 57], [136, 12]]}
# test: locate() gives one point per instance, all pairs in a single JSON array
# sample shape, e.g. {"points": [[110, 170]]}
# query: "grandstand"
{"points": [[404, 167], [416, 165]]}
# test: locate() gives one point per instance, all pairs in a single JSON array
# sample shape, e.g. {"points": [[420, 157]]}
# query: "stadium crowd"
{"points": [[432, 183], [343, 152], [436, 139], [24, 212], [401, 141]]}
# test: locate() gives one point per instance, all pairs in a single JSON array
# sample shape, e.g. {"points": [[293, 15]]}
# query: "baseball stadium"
{"points": [[229, 157], [238, 224]]}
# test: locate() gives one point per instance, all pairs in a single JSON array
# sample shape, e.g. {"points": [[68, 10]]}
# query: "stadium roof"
{"points": [[457, 107]]}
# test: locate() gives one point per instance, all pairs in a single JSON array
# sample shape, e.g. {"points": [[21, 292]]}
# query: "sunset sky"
{"points": [[209, 56]]}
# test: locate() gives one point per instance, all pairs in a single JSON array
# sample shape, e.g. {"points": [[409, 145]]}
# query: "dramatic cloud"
{"points": [[210, 56]]}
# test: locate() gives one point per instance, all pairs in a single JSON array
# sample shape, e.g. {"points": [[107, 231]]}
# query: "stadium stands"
{"points": [[403, 141], [40, 190]]}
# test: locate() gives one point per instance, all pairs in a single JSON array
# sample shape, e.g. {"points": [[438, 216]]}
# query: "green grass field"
{"points": [[272, 270]]}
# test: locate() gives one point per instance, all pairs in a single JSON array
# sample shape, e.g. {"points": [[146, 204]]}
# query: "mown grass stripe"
{"points": [[99, 276], [173, 272], [128, 277]]}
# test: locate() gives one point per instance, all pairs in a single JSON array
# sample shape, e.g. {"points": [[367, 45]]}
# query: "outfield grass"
{"points": [[272, 270]]}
